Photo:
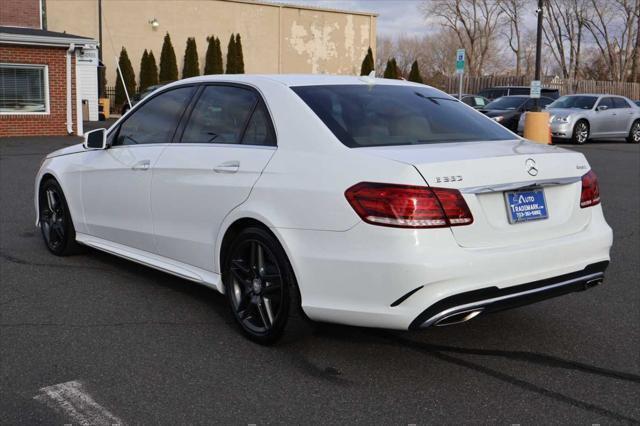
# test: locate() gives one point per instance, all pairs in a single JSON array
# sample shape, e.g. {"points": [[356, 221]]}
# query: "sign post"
{"points": [[536, 88], [460, 69]]}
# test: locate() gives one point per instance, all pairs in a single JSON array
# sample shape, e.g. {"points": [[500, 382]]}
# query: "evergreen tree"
{"points": [[168, 63], [367, 63], [392, 69], [239, 56], [213, 64], [218, 68], [143, 71], [191, 67], [414, 75], [129, 79], [210, 57], [153, 69], [231, 56], [148, 71]]}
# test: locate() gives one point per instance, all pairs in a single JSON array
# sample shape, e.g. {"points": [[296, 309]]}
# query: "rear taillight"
{"points": [[590, 195], [405, 206]]}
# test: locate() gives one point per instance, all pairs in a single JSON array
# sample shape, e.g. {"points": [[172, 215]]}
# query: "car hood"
{"points": [[564, 111], [73, 149]]}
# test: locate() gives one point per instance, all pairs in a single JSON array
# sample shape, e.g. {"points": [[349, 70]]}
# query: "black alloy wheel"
{"points": [[55, 221], [260, 286], [634, 133]]}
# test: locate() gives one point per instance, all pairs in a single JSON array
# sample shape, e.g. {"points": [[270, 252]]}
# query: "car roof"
{"points": [[293, 80]]}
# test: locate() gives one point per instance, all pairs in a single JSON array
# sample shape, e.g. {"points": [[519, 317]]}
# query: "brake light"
{"points": [[406, 206], [590, 195]]}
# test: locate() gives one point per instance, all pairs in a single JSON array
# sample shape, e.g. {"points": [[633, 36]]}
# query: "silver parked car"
{"points": [[582, 117]]}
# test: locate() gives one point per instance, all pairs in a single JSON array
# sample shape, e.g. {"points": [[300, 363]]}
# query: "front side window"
{"points": [[383, 115], [220, 115], [23, 89], [156, 120], [575, 102], [607, 102]]}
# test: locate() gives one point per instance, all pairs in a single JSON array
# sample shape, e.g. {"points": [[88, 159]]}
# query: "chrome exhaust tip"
{"points": [[458, 317]]}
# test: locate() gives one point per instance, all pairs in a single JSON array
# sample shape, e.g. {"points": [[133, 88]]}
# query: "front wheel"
{"points": [[261, 287], [634, 133], [55, 220], [580, 132]]}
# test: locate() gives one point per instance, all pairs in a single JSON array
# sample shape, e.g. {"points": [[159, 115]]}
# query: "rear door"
{"points": [[624, 116], [225, 144]]}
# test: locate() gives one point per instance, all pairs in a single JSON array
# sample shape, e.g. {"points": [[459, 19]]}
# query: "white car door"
{"points": [[223, 147], [116, 181]]}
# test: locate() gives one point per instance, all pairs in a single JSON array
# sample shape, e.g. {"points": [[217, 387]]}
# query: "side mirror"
{"points": [[602, 108], [96, 139]]}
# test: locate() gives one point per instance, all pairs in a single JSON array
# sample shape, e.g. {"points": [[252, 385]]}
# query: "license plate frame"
{"points": [[533, 202]]}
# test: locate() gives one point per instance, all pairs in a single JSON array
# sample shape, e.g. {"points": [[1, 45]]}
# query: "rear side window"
{"points": [[220, 115], [620, 103], [259, 130], [519, 91], [383, 115], [156, 120]]}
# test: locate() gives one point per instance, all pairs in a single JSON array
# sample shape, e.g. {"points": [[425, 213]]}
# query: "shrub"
{"points": [[367, 63]]}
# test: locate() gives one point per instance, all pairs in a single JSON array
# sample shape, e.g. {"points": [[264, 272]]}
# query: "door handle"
{"points": [[141, 165], [227, 167]]}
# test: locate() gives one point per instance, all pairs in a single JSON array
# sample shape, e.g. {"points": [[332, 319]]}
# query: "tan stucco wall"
{"points": [[275, 39]]}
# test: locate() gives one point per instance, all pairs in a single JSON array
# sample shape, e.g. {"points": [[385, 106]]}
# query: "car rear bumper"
{"points": [[465, 306], [387, 277]]}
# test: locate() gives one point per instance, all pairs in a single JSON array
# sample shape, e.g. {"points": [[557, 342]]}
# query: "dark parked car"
{"points": [[498, 91], [140, 96], [507, 109], [474, 101]]}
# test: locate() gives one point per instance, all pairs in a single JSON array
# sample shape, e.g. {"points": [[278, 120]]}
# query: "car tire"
{"points": [[262, 289], [634, 133], [55, 220], [580, 132]]}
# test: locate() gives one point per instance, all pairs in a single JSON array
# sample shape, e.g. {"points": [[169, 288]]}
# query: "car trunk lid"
{"points": [[484, 171]]}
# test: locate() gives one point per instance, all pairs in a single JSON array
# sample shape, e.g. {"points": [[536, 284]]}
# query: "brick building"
{"points": [[46, 77]]}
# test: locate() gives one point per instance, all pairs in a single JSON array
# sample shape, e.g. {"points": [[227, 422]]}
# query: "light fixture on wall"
{"points": [[154, 23]]}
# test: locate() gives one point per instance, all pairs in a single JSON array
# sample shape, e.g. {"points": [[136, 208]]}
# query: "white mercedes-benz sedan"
{"points": [[354, 200]]}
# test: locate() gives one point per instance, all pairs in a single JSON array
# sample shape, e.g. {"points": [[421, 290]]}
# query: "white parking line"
{"points": [[71, 399]]}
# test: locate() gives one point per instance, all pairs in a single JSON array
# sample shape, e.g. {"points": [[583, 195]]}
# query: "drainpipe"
{"points": [[72, 48]]}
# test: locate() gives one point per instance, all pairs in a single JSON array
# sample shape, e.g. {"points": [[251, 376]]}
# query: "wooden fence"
{"points": [[565, 86]]}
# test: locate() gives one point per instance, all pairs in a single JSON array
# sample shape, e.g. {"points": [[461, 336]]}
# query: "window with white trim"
{"points": [[24, 89]]}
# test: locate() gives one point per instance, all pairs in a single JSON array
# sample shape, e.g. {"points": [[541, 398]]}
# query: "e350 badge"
{"points": [[447, 179]]}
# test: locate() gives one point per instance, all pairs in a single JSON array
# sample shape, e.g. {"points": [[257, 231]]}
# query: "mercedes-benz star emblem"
{"points": [[530, 165]]}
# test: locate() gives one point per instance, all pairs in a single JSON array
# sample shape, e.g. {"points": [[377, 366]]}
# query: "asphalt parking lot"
{"points": [[152, 348]]}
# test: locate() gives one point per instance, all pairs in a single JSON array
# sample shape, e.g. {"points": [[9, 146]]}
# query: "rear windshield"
{"points": [[507, 102], [578, 102], [384, 115]]}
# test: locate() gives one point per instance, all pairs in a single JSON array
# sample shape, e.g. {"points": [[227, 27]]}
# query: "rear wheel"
{"points": [[580, 132], [55, 220], [261, 287], [634, 133]]}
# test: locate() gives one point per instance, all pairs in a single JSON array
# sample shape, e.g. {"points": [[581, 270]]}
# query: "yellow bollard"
{"points": [[536, 127]]}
